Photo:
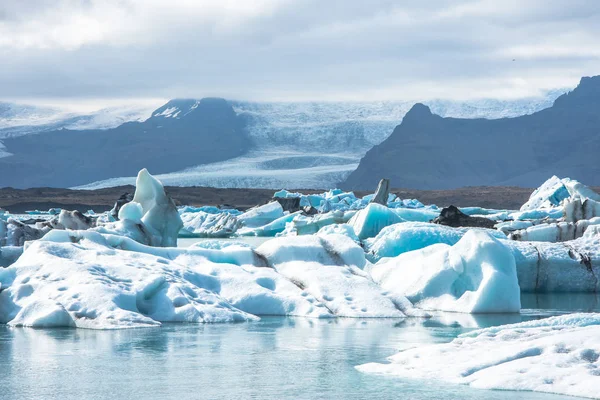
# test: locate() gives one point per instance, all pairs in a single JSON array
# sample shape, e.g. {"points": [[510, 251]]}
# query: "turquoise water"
{"points": [[276, 358]]}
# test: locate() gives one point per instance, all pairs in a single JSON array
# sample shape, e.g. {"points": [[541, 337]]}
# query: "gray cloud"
{"points": [[287, 50]]}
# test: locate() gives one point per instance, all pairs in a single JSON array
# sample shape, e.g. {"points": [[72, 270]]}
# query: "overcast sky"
{"points": [[109, 51]]}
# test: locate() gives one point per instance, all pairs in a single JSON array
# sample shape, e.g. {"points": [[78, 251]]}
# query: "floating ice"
{"points": [[555, 232], [208, 225], [329, 268], [160, 213], [369, 221], [476, 275], [262, 215], [555, 191], [104, 288], [577, 209], [554, 355], [571, 266], [400, 238]]}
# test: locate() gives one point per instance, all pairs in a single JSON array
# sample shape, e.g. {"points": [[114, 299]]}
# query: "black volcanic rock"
{"points": [[180, 134], [452, 216], [427, 151]]}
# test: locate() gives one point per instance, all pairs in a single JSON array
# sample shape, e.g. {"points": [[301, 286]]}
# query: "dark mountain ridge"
{"points": [[180, 134], [427, 151]]}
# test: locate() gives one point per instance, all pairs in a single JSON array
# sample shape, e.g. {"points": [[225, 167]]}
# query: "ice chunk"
{"points": [[554, 355], [396, 239], [369, 221], [43, 314], [578, 209], [75, 220], [262, 215], [555, 232], [9, 254], [571, 266], [555, 190], [416, 215], [306, 225], [202, 224], [339, 229], [104, 288], [132, 211], [550, 194], [329, 269], [476, 275], [579, 190], [160, 213], [272, 228]]}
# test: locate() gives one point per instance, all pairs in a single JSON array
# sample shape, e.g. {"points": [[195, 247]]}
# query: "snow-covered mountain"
{"points": [[292, 144], [23, 119], [316, 144]]}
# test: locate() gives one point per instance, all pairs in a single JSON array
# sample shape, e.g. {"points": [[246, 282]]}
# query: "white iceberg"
{"points": [[400, 238], [330, 269], [555, 355], [571, 266], [555, 191], [261, 215], [104, 288], [208, 225], [554, 232], [476, 275], [160, 214], [369, 221]]}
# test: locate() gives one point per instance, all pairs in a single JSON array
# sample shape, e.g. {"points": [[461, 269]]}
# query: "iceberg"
{"points": [[549, 195], [555, 355], [89, 279], [91, 285], [261, 215], [160, 214], [555, 232], [307, 225], [272, 228], [570, 267], [577, 209], [339, 229], [476, 275], [329, 268], [369, 221], [555, 191], [400, 238], [208, 225]]}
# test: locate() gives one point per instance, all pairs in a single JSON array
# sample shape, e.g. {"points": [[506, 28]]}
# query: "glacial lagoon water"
{"points": [[275, 358]]}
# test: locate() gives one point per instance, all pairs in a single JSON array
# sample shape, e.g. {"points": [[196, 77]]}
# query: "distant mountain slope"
{"points": [[289, 144], [23, 119], [206, 131], [427, 151]]}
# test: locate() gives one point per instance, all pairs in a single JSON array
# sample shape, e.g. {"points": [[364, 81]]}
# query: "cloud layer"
{"points": [[295, 50]]}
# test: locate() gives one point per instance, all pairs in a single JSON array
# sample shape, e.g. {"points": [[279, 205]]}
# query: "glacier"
{"points": [[316, 145]]}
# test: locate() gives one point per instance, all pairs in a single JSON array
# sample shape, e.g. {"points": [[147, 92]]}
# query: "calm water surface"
{"points": [[276, 358]]}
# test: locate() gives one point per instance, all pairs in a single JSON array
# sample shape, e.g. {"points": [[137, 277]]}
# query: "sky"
{"points": [[105, 52]]}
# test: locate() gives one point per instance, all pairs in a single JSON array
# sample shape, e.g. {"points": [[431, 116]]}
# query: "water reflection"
{"points": [[283, 358], [280, 358]]}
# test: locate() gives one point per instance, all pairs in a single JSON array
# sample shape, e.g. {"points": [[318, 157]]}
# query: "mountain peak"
{"points": [[419, 110], [586, 93], [177, 108]]}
